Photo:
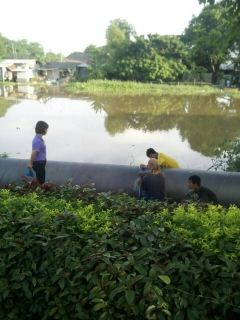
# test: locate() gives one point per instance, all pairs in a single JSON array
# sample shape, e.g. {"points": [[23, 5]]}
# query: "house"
{"points": [[20, 70], [75, 64]]}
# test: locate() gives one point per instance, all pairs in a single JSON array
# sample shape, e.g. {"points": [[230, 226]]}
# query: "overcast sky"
{"points": [[72, 25]]}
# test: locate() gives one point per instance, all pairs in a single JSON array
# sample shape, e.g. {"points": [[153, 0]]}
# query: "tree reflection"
{"points": [[202, 120], [5, 104]]}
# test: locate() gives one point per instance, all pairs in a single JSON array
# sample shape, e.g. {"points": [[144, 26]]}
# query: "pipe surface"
{"points": [[123, 178]]}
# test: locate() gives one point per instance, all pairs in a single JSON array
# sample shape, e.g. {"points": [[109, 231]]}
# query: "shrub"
{"points": [[100, 256]]}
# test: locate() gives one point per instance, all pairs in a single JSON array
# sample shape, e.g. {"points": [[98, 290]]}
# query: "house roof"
{"points": [[17, 61], [62, 65], [12, 67], [79, 57]]}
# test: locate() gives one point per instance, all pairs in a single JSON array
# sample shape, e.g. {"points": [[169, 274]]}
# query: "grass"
{"points": [[116, 87]]}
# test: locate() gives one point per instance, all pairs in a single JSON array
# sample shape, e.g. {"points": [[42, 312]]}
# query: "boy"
{"points": [[199, 192], [162, 159]]}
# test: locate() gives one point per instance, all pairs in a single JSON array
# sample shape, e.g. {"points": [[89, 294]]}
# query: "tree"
{"points": [[50, 56], [91, 49], [2, 48], [142, 62], [232, 14], [205, 36], [170, 47], [118, 35]]}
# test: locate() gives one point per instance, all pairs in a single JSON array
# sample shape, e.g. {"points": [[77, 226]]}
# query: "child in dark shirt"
{"points": [[200, 193], [153, 182]]}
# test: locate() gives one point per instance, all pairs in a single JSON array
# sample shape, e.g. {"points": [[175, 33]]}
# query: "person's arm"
{"points": [[143, 165], [32, 157]]}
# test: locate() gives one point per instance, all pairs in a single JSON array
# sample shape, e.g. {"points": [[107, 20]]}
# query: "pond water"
{"points": [[117, 130]]}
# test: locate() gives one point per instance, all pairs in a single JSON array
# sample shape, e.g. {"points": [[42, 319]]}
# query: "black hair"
{"points": [[195, 179], [150, 151], [41, 127]]}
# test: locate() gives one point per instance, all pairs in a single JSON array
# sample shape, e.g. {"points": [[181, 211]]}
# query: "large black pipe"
{"points": [[119, 178]]}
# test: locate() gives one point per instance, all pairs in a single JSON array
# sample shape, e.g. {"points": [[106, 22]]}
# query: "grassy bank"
{"points": [[70, 253], [114, 87]]}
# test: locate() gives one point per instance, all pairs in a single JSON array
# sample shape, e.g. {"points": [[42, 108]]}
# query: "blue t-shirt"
{"points": [[39, 145]]}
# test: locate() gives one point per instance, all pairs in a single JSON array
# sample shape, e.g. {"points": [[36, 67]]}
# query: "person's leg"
{"points": [[39, 168], [140, 188]]}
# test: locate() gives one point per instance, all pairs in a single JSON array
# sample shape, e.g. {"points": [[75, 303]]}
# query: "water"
{"points": [[117, 130]]}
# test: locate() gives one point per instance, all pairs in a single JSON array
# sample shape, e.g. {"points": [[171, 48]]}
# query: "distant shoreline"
{"points": [[116, 87]]}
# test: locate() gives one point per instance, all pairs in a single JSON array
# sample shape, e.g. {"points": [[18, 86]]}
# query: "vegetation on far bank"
{"points": [[116, 87], [70, 253]]}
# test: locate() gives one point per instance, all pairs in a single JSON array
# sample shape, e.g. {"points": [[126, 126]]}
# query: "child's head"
{"points": [[153, 166], [151, 153], [194, 182]]}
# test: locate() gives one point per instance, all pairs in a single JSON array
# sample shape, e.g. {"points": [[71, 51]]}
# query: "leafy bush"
{"points": [[70, 253], [227, 156]]}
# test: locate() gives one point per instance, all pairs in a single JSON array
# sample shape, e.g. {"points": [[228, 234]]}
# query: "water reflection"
{"points": [[204, 121], [185, 127]]}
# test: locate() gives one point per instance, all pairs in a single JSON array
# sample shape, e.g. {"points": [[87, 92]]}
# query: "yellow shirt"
{"points": [[167, 162]]}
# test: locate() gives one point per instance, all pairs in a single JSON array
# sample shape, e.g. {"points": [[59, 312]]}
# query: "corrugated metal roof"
{"points": [[79, 57], [12, 67], [62, 65]]}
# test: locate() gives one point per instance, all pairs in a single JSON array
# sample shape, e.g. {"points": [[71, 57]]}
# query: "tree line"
{"points": [[210, 39], [22, 49]]}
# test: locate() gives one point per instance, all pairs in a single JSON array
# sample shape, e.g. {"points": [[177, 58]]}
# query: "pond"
{"points": [[117, 130]]}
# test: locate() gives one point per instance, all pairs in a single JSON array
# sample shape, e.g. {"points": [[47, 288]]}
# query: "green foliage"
{"points": [[2, 48], [144, 63], [227, 156], [207, 37], [54, 267], [4, 155], [23, 49], [116, 87]]}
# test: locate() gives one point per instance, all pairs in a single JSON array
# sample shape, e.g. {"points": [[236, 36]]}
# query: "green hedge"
{"points": [[71, 253]]}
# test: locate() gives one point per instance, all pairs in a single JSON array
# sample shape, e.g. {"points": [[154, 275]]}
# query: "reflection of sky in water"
{"points": [[77, 133]]}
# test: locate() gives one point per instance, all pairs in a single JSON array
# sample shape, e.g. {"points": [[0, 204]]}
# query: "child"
{"points": [[200, 193], [153, 183], [162, 159]]}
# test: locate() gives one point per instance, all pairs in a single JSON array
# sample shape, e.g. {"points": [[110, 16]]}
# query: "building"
{"points": [[20, 70], [76, 64]]}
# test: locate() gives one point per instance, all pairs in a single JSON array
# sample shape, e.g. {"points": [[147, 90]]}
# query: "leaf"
{"points": [[147, 288], [224, 274], [67, 261], [99, 306], [134, 280], [5, 294], [215, 293], [12, 254], [150, 309], [141, 270], [179, 315], [53, 310], [165, 279], [59, 271], [142, 305], [143, 240], [16, 286], [167, 312], [115, 291], [61, 283], [151, 237], [34, 281], [129, 295]]}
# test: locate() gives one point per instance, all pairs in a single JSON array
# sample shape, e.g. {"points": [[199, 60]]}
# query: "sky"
{"points": [[68, 26]]}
